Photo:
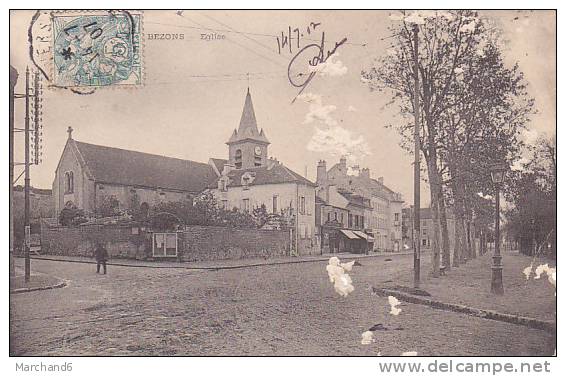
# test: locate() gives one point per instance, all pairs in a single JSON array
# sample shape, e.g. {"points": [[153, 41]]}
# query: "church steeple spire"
{"points": [[248, 124], [247, 147]]}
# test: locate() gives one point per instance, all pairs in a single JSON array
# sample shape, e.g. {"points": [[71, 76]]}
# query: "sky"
{"points": [[195, 88]]}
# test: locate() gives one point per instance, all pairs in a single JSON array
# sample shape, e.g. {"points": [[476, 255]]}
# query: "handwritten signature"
{"points": [[300, 72]]}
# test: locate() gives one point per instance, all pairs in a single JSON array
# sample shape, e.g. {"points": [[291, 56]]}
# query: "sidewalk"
{"points": [[38, 281], [470, 285], [220, 264]]}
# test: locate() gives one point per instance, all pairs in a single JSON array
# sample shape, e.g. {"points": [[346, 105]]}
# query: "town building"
{"points": [[340, 221], [88, 173], [249, 179], [378, 209], [426, 238]]}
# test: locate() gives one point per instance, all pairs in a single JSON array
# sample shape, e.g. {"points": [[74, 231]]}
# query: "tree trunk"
{"points": [[435, 197], [473, 239], [459, 246], [445, 237], [466, 226]]}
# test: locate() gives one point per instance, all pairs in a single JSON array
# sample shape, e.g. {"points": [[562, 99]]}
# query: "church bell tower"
{"points": [[247, 147]]}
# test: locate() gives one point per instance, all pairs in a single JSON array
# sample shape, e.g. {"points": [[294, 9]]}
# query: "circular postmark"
{"points": [[96, 50]]}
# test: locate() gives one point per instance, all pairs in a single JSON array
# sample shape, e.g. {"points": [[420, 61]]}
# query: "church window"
{"points": [[69, 182], [328, 217], [275, 208], [238, 158]]}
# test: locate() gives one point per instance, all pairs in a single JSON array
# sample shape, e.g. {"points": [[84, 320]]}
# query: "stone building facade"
{"points": [[380, 208], [426, 237]]}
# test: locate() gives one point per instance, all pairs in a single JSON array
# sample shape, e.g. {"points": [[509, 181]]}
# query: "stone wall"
{"points": [[200, 243], [81, 240], [195, 243]]}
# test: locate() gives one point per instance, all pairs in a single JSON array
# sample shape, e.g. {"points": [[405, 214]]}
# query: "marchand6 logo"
{"points": [[42, 367]]}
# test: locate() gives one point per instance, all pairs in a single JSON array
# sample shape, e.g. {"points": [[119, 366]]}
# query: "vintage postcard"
{"points": [[283, 183]]}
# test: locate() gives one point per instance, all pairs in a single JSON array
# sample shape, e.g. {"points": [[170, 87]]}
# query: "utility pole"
{"points": [[37, 137], [13, 81], [26, 185], [417, 166]]}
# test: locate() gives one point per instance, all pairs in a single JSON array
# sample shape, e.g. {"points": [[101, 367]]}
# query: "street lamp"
{"points": [[497, 175]]}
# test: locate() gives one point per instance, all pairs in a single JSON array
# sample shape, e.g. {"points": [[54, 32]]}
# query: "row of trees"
{"points": [[473, 108]]}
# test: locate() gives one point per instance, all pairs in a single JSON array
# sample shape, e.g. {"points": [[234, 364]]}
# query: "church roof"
{"points": [[126, 167], [274, 173], [247, 130], [218, 164]]}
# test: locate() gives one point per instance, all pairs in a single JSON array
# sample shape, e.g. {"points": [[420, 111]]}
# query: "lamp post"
{"points": [[497, 175]]}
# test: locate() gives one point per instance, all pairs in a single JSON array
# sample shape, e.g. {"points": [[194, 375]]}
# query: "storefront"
{"points": [[355, 241]]}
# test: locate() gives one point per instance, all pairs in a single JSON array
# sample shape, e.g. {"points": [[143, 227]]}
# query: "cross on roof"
{"points": [[70, 132]]}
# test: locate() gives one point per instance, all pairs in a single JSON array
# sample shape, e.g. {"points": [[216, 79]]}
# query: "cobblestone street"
{"points": [[267, 310]]}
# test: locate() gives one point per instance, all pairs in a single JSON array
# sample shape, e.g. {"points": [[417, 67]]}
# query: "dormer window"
{"points": [[247, 179]]}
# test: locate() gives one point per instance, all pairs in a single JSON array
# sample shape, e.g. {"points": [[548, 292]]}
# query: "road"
{"points": [[268, 310]]}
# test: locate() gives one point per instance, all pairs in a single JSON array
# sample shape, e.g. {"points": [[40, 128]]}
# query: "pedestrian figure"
{"points": [[101, 255]]}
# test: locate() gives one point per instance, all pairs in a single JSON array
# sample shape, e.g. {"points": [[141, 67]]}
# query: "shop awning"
{"points": [[363, 235], [349, 234]]}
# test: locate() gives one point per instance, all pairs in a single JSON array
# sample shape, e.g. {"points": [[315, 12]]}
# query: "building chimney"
{"points": [[342, 166], [380, 180], [321, 174], [365, 173]]}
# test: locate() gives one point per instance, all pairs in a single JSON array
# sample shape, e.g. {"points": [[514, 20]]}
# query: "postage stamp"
{"points": [[97, 49]]}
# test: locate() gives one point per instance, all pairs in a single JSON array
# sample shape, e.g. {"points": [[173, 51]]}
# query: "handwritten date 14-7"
{"points": [[292, 37]]}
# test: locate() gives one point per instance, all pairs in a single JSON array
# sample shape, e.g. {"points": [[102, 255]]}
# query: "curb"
{"points": [[225, 267], [548, 326], [30, 289]]}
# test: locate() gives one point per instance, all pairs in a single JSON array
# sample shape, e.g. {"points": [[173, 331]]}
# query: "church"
{"points": [[87, 173], [248, 178]]}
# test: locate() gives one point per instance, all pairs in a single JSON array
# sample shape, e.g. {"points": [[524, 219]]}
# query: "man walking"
{"points": [[101, 255]]}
